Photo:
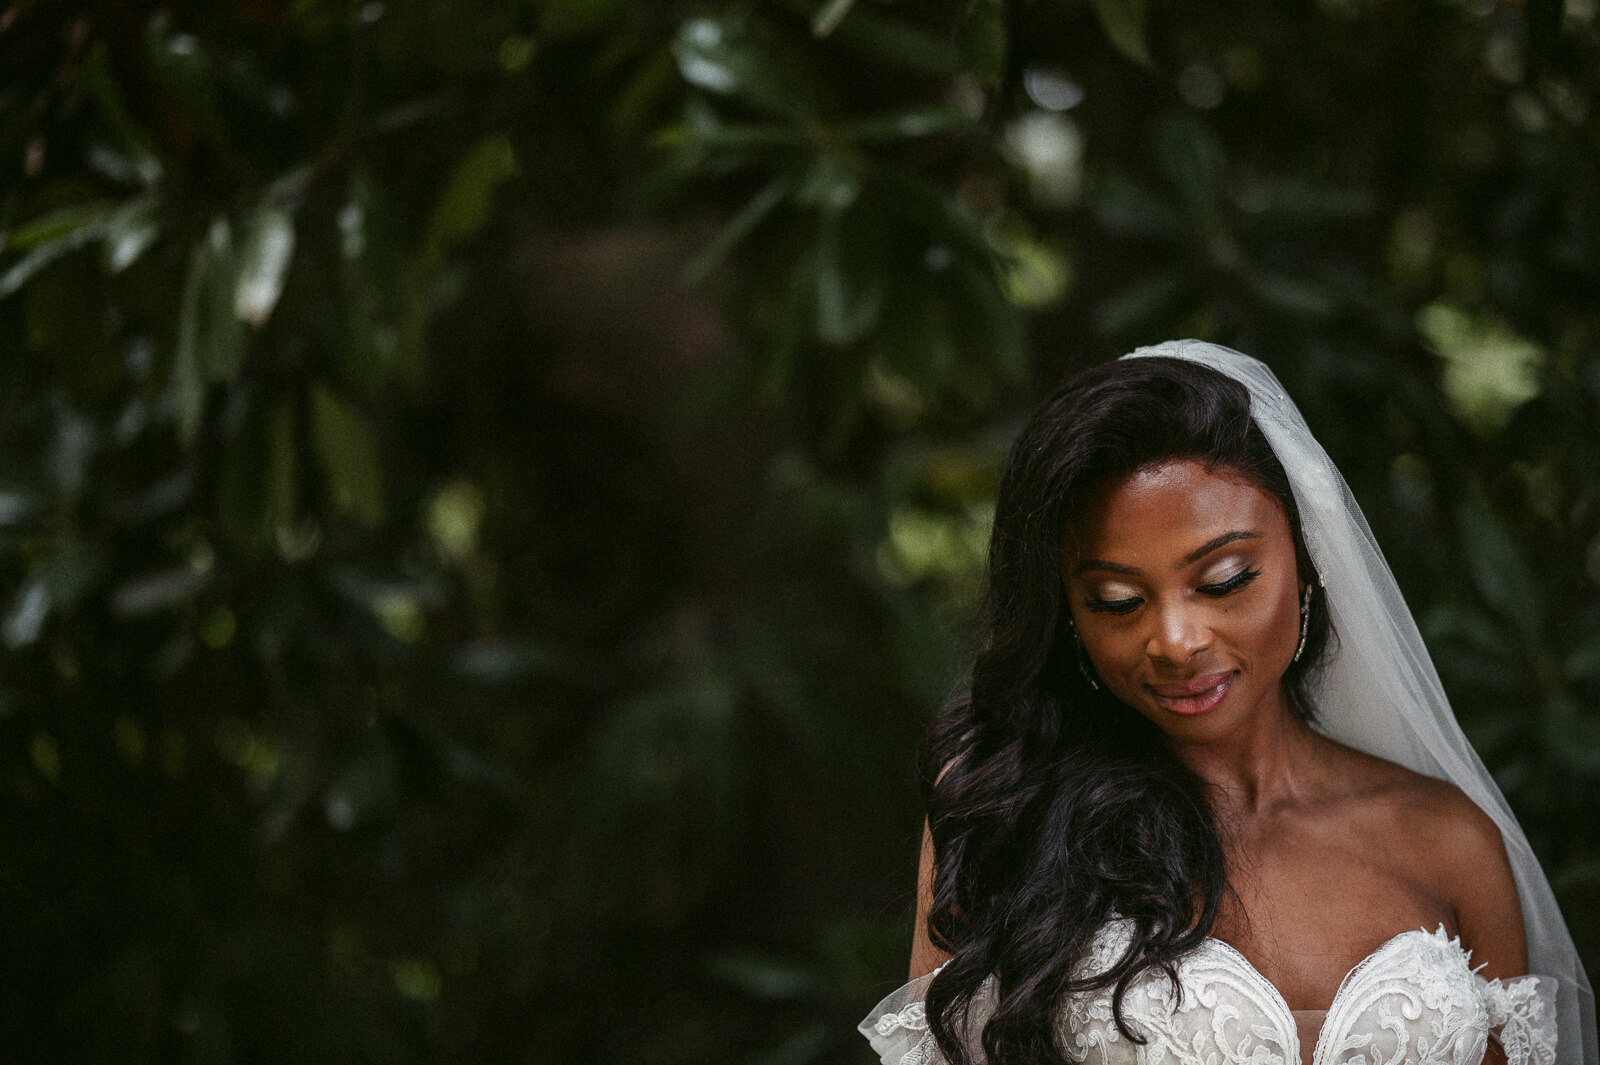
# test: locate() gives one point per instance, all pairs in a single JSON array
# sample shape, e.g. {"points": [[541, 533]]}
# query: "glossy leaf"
{"points": [[44, 240], [134, 145], [726, 57], [131, 232], [459, 214], [209, 346], [263, 263]]}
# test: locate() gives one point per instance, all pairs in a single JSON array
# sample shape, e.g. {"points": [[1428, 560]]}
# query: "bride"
{"points": [[1205, 801]]}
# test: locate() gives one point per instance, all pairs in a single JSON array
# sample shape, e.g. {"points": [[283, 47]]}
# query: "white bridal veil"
{"points": [[1378, 691]]}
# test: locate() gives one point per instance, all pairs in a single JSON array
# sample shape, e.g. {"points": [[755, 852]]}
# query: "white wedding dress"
{"points": [[1413, 1001]]}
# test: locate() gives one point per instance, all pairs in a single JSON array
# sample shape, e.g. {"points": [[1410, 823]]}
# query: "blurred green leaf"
{"points": [[179, 63], [892, 41], [850, 289], [130, 232], [458, 215], [719, 136], [1293, 205], [28, 612], [349, 456], [905, 125], [1145, 306], [729, 58], [68, 224], [151, 593], [829, 15], [263, 263], [462, 210], [44, 240], [143, 164], [740, 226], [1124, 23], [984, 41], [371, 290], [210, 338], [259, 482], [832, 183]]}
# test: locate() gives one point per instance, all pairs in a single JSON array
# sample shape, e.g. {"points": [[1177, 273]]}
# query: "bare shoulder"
{"points": [[1431, 817], [1452, 844]]}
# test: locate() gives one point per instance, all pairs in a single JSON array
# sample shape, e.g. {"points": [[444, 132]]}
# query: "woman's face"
{"points": [[1185, 592]]}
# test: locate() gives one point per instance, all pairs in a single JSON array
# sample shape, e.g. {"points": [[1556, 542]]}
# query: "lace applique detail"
{"points": [[1522, 1016], [1414, 1001], [926, 1052], [1222, 1013], [898, 1028], [913, 1017]]}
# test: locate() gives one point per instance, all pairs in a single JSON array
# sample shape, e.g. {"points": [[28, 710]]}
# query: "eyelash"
{"points": [[1215, 591]]}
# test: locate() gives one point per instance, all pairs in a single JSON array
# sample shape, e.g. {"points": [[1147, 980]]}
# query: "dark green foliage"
{"points": [[491, 491]]}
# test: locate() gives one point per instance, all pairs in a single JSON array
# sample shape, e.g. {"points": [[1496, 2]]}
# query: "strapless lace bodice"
{"points": [[1413, 1001]]}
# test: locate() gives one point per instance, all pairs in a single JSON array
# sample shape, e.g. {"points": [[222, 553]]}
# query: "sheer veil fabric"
{"points": [[1378, 691]]}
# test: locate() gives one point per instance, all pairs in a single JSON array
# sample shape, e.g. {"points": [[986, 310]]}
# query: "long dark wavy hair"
{"points": [[1053, 807]]}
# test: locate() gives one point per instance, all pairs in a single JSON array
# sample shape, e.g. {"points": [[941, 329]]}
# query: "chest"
{"points": [[1305, 909]]}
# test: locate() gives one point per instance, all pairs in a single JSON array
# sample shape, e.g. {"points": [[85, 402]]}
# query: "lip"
{"points": [[1198, 695]]}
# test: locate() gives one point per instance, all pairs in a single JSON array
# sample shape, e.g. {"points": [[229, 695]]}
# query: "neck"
{"points": [[1258, 767]]}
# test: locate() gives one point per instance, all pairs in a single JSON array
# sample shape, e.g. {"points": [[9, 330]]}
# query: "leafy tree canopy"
{"points": [[492, 491]]}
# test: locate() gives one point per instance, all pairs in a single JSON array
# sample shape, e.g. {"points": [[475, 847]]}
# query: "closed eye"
{"points": [[1113, 606], [1232, 584]]}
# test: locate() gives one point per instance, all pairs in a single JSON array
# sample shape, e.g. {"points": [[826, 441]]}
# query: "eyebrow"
{"points": [[1193, 556]]}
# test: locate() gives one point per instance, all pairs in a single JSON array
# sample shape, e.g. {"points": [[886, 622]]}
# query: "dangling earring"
{"points": [[1083, 667], [1305, 623]]}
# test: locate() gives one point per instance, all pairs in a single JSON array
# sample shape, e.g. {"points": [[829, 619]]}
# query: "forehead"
{"points": [[1163, 511]]}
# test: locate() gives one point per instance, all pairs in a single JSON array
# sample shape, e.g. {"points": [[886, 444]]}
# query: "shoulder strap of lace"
{"points": [[1522, 1016]]}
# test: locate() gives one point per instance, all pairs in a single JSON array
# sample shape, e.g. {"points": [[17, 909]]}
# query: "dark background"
{"points": [[492, 492]]}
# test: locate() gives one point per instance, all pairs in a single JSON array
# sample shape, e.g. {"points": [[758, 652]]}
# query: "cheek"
{"points": [[1272, 626]]}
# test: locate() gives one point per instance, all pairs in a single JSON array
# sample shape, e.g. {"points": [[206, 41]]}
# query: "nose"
{"points": [[1178, 632]]}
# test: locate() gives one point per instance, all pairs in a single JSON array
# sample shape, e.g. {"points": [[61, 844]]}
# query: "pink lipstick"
{"points": [[1198, 695]]}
